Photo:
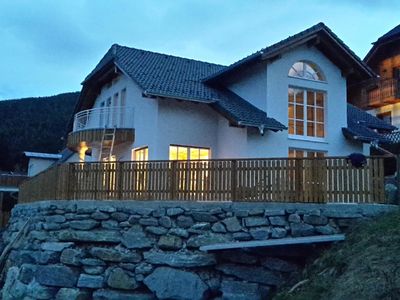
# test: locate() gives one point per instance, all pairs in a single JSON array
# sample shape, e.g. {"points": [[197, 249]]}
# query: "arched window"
{"points": [[306, 70]]}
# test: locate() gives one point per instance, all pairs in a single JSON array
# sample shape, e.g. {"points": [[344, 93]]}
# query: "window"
{"points": [[141, 154], [306, 70], [306, 113], [188, 153], [301, 153], [386, 117]]}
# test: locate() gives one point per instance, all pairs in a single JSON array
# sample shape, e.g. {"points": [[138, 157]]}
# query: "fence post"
{"points": [[119, 179], [234, 180], [173, 180]]}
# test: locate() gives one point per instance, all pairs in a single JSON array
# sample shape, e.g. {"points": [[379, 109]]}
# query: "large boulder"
{"points": [[99, 236], [168, 283], [56, 275], [121, 279]]}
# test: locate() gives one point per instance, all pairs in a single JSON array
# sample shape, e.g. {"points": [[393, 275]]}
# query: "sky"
{"points": [[48, 47]]}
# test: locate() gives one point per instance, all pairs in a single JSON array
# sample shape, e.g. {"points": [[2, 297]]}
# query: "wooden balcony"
{"points": [[381, 92], [89, 126], [314, 180], [11, 181]]}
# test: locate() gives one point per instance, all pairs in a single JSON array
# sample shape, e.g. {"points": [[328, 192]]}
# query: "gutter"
{"points": [[150, 94]]}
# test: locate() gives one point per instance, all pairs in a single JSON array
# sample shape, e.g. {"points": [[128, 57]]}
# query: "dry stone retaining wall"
{"points": [[150, 250]]}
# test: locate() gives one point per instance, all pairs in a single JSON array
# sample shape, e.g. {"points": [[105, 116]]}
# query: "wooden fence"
{"points": [[11, 180], [317, 180]]}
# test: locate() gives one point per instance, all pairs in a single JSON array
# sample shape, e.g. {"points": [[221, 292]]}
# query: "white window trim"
{"points": [[307, 79], [308, 138]]}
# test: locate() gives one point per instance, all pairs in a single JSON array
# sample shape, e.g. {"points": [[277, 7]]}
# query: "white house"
{"points": [[39, 161], [288, 99]]}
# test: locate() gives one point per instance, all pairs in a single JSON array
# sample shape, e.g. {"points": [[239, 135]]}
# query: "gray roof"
{"points": [[362, 126], [181, 78], [387, 38]]}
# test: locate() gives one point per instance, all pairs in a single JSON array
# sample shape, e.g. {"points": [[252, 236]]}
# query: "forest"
{"points": [[33, 124]]}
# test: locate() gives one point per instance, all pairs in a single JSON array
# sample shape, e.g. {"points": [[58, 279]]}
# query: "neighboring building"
{"points": [[39, 162], [381, 95], [289, 99]]}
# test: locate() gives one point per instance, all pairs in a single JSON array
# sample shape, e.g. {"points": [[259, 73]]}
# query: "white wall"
{"points": [[37, 165], [394, 108]]}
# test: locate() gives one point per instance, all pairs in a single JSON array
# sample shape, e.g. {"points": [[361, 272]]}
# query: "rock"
{"points": [[274, 212], [148, 222], [278, 232], [120, 279], [54, 226], [71, 257], [206, 239], [201, 226], [239, 256], [280, 265], [326, 230], [170, 242], [250, 273], [294, 218], [184, 221], [143, 268], [179, 232], [110, 224], [260, 233], [243, 213], [232, 224], [201, 216], [175, 211], [134, 219], [180, 259], [113, 255], [37, 291], [157, 230], [159, 212], [301, 229], [56, 275], [165, 221], [55, 246], [55, 219], [27, 272], [104, 294], [345, 214], [90, 281], [100, 236], [136, 240], [92, 262], [391, 194], [237, 290], [315, 220], [144, 211], [168, 283], [72, 294], [119, 216], [278, 221], [83, 224], [13, 288], [93, 270], [256, 211], [255, 221], [218, 227], [241, 236], [100, 216]]}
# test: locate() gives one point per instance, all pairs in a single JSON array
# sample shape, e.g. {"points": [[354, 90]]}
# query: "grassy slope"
{"points": [[365, 266]]}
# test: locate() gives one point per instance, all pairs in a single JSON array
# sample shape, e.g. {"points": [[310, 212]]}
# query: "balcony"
{"points": [[89, 126], [381, 92]]}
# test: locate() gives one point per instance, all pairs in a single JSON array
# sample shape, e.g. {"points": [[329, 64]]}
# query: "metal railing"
{"points": [[104, 117]]}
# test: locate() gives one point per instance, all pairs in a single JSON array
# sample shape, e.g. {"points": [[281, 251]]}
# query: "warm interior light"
{"points": [[82, 152]]}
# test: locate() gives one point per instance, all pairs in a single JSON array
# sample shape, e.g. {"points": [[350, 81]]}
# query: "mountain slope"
{"points": [[33, 124]]}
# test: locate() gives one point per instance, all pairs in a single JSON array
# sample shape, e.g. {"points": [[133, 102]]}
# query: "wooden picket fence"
{"points": [[317, 180]]}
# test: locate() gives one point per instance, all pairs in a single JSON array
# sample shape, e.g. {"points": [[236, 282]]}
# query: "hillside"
{"points": [[365, 266], [33, 124]]}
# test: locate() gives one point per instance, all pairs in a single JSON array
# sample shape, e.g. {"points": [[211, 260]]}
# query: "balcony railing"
{"points": [[386, 91], [11, 180], [104, 117]]}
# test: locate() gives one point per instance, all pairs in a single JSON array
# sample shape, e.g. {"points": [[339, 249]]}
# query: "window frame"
{"points": [[143, 148], [305, 104], [188, 148], [315, 67], [306, 152]]}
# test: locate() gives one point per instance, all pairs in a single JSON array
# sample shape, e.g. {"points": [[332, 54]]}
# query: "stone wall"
{"points": [[150, 250]]}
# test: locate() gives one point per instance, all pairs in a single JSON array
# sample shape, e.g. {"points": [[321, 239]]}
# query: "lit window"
{"points": [[306, 113], [301, 153], [306, 70], [188, 153], [141, 154]]}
